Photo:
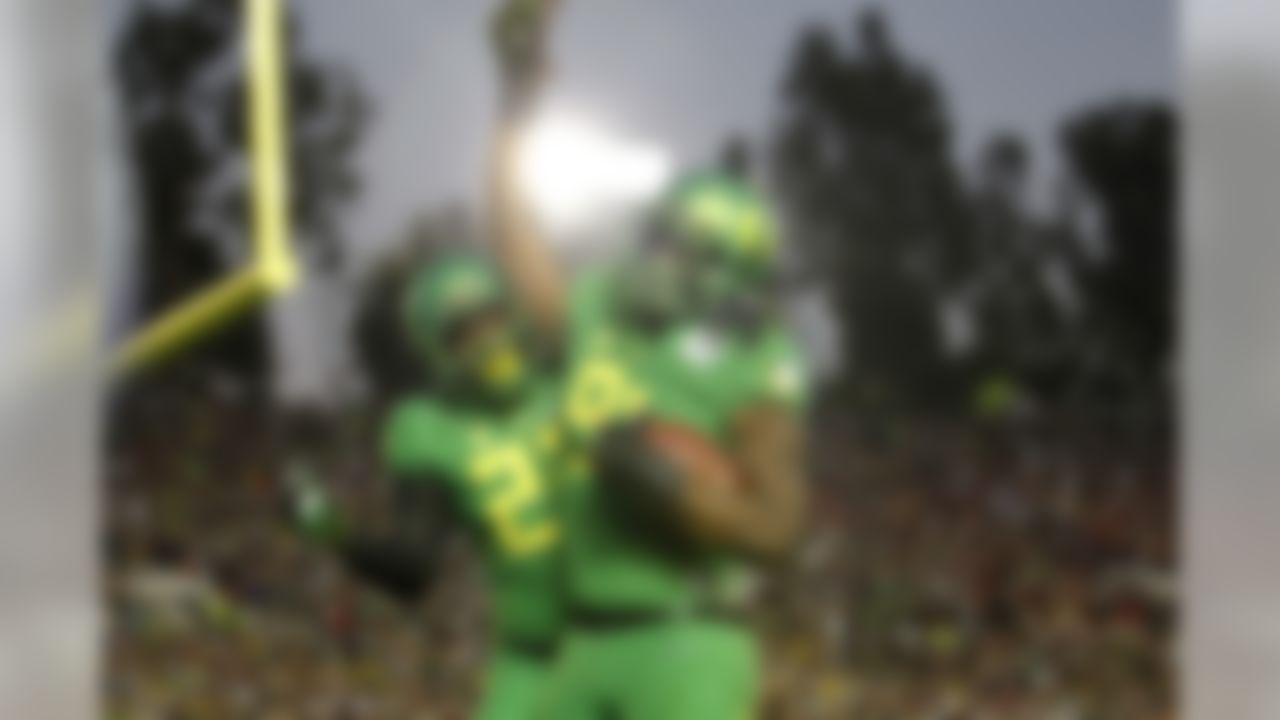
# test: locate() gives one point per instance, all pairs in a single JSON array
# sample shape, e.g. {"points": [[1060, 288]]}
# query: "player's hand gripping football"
{"points": [[520, 32]]}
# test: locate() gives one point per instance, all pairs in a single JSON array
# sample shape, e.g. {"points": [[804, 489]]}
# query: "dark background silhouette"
{"points": [[864, 165]]}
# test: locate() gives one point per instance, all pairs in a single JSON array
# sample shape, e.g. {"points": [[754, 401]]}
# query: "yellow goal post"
{"points": [[273, 268]]}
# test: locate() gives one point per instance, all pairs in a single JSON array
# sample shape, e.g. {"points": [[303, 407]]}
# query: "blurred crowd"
{"points": [[980, 572], [952, 571]]}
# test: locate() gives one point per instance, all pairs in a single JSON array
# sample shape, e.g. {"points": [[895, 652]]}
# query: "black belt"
{"points": [[537, 650], [594, 618]]}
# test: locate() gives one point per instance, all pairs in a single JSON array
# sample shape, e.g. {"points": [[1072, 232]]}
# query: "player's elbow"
{"points": [[777, 520], [770, 537]]}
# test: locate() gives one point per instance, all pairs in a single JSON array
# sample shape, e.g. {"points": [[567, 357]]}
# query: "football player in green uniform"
{"points": [[686, 336], [473, 454]]}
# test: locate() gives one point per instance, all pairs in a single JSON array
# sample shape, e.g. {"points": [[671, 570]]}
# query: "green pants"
{"points": [[515, 687], [674, 670]]}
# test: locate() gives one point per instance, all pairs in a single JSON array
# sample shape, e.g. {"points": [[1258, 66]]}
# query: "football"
{"points": [[698, 456]]}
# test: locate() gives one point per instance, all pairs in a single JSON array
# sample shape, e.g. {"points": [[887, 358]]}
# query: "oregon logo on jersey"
{"points": [[602, 392]]}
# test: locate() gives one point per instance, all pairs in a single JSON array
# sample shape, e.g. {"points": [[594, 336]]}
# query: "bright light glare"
{"points": [[574, 171]]}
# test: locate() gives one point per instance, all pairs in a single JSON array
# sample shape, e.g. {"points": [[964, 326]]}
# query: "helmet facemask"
{"points": [[486, 358], [732, 295], [460, 320], [657, 286]]}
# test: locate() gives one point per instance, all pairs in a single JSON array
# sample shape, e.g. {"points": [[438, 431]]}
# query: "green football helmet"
{"points": [[727, 243], [458, 317]]}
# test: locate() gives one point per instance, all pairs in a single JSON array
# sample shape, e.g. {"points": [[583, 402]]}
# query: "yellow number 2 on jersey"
{"points": [[513, 490]]}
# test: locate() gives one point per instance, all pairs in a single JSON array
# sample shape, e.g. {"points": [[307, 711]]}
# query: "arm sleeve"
{"points": [[403, 562]]}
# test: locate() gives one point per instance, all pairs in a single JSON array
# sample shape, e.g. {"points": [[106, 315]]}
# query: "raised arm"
{"points": [[520, 38]]}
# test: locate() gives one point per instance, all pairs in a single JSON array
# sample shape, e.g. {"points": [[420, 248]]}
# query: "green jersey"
{"points": [[494, 468], [688, 374]]}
